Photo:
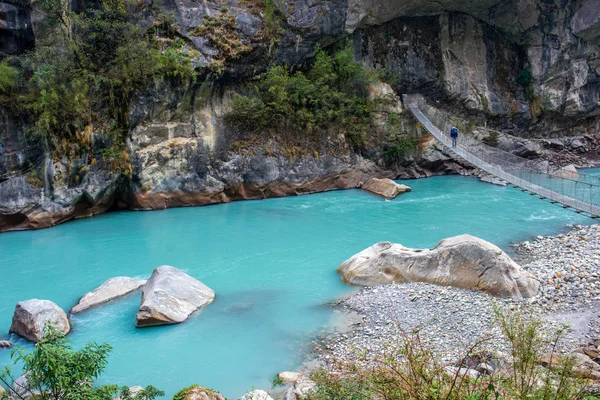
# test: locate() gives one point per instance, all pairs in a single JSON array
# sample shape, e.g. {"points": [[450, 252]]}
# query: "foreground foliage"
{"points": [[85, 71], [55, 371], [413, 372]]}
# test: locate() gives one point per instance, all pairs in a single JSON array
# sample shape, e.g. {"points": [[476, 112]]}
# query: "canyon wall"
{"points": [[526, 68]]}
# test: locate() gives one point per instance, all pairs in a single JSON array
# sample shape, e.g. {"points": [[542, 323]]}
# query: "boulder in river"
{"points": [[32, 316], [108, 291], [385, 187], [170, 296], [462, 261], [5, 344], [568, 172]]}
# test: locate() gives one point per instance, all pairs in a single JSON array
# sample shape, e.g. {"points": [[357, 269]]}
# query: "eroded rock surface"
{"points": [[31, 317], [170, 296], [462, 261], [386, 188], [110, 290]]}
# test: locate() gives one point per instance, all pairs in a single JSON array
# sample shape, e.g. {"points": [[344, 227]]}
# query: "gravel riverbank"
{"points": [[450, 319]]}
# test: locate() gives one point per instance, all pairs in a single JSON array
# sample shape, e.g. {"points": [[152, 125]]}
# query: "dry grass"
{"points": [[414, 373]]}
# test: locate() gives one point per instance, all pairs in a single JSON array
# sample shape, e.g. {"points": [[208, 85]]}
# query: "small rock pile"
{"points": [[444, 317]]}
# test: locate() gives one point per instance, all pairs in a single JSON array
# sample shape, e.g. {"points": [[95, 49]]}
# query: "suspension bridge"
{"points": [[580, 192]]}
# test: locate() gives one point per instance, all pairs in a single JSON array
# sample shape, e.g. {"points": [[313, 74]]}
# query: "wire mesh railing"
{"points": [[577, 190]]}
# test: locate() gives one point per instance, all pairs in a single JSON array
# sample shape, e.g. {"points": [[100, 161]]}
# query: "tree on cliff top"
{"points": [[331, 94]]}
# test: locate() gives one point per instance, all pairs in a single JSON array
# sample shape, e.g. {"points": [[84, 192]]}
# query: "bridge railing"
{"points": [[582, 192]]}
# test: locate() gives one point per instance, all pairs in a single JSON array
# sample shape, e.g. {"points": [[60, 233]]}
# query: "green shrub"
{"points": [[8, 77], [330, 94], [492, 139], [55, 371], [525, 77], [400, 148], [276, 381], [87, 70], [272, 26]]}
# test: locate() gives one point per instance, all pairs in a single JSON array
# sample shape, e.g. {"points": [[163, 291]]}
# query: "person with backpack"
{"points": [[454, 135]]}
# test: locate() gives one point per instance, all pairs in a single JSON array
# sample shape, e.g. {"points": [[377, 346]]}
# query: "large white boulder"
{"points": [[170, 296], [108, 291], [256, 395], [385, 188], [462, 261], [31, 317]]}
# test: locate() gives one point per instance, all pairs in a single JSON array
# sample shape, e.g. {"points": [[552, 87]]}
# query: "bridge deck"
{"points": [[575, 193]]}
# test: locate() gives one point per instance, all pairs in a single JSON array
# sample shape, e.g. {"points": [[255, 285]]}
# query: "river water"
{"points": [[272, 264]]}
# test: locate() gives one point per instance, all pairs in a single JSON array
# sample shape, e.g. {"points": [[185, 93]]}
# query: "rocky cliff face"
{"points": [[469, 58]]}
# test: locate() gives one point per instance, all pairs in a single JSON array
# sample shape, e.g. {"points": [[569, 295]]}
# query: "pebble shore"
{"points": [[450, 319]]}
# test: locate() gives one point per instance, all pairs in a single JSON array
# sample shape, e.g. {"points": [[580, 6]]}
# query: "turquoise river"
{"points": [[272, 264]]}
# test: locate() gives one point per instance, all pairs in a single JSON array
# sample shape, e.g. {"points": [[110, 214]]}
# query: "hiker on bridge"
{"points": [[454, 135]]}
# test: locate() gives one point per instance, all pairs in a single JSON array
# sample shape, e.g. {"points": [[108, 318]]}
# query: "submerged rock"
{"points": [[256, 395], [31, 317], [5, 344], [386, 188], [170, 296], [487, 178], [462, 261], [108, 291]]}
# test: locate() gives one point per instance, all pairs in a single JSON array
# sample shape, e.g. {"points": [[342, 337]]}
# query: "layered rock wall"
{"points": [[467, 58]]}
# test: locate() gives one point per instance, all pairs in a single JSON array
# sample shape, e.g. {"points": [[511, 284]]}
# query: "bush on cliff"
{"points": [[87, 69], [413, 372], [331, 94], [55, 371], [8, 76]]}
